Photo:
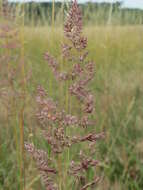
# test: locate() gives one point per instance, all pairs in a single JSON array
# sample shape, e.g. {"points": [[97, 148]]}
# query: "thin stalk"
{"points": [[67, 99], [53, 23], [22, 51], [67, 109], [21, 126], [50, 74], [60, 172], [61, 104], [21, 115]]}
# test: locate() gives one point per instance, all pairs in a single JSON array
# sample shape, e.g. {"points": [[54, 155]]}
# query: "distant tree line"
{"points": [[94, 13]]}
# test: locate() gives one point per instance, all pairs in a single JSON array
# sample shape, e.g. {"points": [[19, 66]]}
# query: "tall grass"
{"points": [[119, 105], [12, 49], [22, 109], [118, 88]]}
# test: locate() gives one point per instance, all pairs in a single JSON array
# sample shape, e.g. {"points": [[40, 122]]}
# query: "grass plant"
{"points": [[117, 52]]}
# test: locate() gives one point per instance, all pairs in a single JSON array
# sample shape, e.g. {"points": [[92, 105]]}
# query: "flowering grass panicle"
{"points": [[58, 127]]}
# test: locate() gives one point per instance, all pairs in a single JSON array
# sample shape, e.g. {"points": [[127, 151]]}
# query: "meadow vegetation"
{"points": [[93, 13], [118, 87]]}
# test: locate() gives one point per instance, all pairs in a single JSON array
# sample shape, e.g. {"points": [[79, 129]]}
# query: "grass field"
{"points": [[118, 87]]}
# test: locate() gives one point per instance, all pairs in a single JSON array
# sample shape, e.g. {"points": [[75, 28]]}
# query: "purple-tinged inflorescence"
{"points": [[54, 121], [43, 163]]}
